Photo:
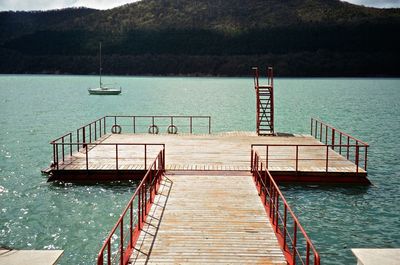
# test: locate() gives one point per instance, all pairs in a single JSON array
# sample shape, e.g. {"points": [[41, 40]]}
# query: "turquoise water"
{"points": [[77, 218]]}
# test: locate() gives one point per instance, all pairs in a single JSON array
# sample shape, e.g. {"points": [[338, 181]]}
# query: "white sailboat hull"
{"points": [[104, 91]]}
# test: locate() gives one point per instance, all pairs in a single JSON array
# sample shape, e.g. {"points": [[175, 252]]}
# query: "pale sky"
{"points": [[106, 4]]}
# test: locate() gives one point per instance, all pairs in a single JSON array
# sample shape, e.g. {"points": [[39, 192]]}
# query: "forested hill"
{"points": [[205, 37]]}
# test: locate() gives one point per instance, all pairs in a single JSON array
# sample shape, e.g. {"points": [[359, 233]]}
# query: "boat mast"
{"points": [[100, 66]]}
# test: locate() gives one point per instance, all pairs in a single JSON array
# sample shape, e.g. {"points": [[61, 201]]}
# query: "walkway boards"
{"points": [[207, 219]]}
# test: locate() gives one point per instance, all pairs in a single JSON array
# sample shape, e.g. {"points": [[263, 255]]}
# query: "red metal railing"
{"points": [[341, 142], [64, 146], [299, 153], [296, 245], [94, 130], [161, 123], [60, 153], [90, 134], [120, 242]]}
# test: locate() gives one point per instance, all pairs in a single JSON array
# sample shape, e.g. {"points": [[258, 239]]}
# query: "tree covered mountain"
{"points": [[205, 37]]}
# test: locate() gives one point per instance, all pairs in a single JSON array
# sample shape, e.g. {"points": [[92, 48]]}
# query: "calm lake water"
{"points": [[77, 218]]}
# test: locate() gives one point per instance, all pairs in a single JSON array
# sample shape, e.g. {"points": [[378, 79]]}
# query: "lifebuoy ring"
{"points": [[116, 129], [172, 129], [153, 129]]}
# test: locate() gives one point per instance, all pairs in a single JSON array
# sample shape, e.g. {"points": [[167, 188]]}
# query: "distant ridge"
{"points": [[234, 15], [206, 37]]}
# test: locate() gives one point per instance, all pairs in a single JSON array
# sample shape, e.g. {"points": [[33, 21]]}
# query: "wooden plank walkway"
{"points": [[207, 219], [221, 151]]}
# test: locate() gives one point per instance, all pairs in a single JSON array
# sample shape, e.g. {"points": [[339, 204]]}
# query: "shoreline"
{"points": [[203, 76]]}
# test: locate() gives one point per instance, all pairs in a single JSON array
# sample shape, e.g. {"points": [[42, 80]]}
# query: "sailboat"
{"points": [[104, 89]]}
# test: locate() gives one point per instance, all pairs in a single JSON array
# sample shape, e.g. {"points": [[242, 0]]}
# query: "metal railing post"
{"points": [[109, 253], [131, 224], [62, 148], [77, 138], [297, 158], [139, 210], [87, 158], [326, 135], [327, 157], [70, 144], [116, 157], [357, 156], [320, 132], [294, 242], [145, 156], [284, 227], [163, 157], [316, 125], [277, 212], [251, 159], [100, 260], [122, 242], [57, 162], [311, 126], [265, 187], [270, 198], [258, 179], [54, 152], [84, 135], [90, 133]]}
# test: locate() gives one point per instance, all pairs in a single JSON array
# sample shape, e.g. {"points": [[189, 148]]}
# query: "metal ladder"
{"points": [[265, 103]]}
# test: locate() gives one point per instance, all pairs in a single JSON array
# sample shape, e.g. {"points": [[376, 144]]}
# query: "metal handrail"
{"points": [[271, 196], [359, 161], [334, 131], [144, 195], [93, 131], [99, 127], [152, 118], [85, 147]]}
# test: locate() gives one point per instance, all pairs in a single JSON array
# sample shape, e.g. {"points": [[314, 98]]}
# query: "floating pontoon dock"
{"points": [[104, 156]]}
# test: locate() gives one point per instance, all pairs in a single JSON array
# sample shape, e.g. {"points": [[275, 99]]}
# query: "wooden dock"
{"points": [[32, 257], [290, 157], [196, 219]]}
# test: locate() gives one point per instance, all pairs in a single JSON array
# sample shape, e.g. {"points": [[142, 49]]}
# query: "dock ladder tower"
{"points": [[265, 103]]}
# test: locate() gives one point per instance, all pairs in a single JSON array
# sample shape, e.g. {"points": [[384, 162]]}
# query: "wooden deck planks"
{"points": [[223, 151], [207, 220]]}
